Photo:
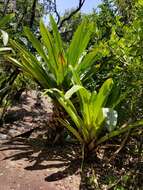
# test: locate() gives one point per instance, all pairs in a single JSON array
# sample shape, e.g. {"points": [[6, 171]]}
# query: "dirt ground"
{"points": [[25, 167], [28, 164], [31, 164]]}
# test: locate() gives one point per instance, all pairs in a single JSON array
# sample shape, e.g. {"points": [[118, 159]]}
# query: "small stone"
{"points": [[3, 136], [13, 132]]}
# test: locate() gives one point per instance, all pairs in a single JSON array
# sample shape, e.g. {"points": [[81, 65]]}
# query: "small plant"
{"points": [[88, 122]]}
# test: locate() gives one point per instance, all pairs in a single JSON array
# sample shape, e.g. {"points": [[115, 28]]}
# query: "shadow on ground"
{"points": [[122, 172]]}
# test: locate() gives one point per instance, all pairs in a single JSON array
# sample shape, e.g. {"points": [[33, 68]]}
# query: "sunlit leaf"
{"points": [[4, 37]]}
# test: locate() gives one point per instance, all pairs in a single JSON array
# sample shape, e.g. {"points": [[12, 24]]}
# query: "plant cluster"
{"points": [[62, 72], [96, 77]]}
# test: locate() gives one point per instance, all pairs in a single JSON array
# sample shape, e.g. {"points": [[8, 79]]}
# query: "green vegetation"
{"points": [[93, 72], [56, 70]]}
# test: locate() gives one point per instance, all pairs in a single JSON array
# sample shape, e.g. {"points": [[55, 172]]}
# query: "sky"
{"points": [[63, 5]]}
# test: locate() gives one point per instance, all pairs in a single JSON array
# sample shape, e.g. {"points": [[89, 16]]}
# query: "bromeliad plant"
{"points": [[50, 64], [56, 69], [89, 121], [92, 123]]}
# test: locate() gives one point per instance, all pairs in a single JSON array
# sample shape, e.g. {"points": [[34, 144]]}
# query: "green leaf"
{"points": [[79, 42], [57, 36], [102, 96], [53, 55], [87, 61], [119, 131], [74, 89], [72, 130], [75, 76], [31, 65], [115, 97], [67, 105], [6, 19], [14, 61], [140, 2], [59, 52], [36, 44]]}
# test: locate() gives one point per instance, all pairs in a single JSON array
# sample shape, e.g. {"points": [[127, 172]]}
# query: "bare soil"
{"points": [[33, 164], [28, 163]]}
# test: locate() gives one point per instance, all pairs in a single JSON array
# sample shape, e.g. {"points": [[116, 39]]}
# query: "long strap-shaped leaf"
{"points": [[85, 96], [102, 97], [119, 131], [52, 53], [79, 42], [35, 42], [30, 64], [62, 62], [67, 104], [72, 130], [87, 61]]}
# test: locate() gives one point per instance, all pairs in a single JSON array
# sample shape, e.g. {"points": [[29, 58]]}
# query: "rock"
{"points": [[3, 136], [13, 132]]}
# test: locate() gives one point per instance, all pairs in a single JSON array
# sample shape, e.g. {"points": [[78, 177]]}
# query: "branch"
{"points": [[56, 11], [20, 19], [5, 7], [32, 13], [81, 2], [121, 146]]}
